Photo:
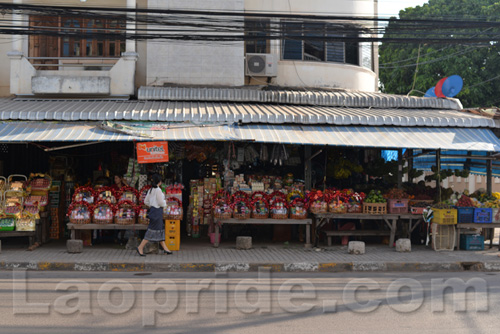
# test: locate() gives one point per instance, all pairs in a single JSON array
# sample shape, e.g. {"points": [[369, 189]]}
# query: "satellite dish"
{"points": [[452, 86], [430, 92], [439, 87]]}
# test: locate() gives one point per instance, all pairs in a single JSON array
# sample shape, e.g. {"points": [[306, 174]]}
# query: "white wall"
{"points": [[195, 63]]}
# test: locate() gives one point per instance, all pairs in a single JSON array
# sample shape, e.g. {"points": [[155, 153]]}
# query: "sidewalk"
{"points": [[199, 255]]}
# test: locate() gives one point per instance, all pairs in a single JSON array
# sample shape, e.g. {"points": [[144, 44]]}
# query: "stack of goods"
{"points": [[173, 210], [125, 213], [133, 172], [260, 205], [103, 212], [80, 212], [55, 200], [173, 234], [419, 202], [375, 203], [397, 201], [465, 210], [55, 225]]}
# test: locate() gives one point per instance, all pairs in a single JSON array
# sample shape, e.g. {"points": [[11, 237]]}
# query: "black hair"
{"points": [[156, 178]]}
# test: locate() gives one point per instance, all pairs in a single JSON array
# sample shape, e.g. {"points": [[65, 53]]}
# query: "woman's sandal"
{"points": [[137, 249], [167, 252]]}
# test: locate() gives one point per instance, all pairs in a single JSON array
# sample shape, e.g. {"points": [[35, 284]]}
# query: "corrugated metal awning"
{"points": [[355, 136], [247, 113]]}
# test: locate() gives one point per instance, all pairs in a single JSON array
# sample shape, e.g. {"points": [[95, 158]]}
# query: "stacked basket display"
{"points": [[79, 212], [125, 213], [221, 205], [260, 205], [240, 203], [103, 212], [173, 209], [128, 194], [84, 194], [106, 194]]}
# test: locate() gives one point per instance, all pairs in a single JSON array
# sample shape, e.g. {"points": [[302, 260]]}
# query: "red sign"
{"points": [[151, 152]]}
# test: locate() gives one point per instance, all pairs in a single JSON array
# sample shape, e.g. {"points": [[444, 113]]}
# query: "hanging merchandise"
{"points": [[264, 154], [251, 154], [279, 154]]}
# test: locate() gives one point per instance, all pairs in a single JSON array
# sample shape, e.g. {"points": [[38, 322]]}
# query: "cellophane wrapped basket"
{"points": [[337, 206], [298, 209], [173, 210], [143, 192], [318, 206], [7, 223], [17, 182], [80, 212], [84, 194], [128, 194], [40, 182], [125, 213], [260, 205], [26, 222], [103, 212], [241, 208], [222, 210], [142, 216], [272, 197], [279, 209], [106, 194]]}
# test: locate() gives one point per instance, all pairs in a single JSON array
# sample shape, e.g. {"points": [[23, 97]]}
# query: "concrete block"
{"points": [[403, 245], [243, 242], [74, 246], [356, 247], [151, 248]]}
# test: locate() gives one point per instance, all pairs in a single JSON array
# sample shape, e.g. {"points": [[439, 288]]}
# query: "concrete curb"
{"points": [[254, 267]]}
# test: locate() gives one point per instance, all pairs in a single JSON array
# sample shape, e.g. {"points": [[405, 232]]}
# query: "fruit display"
{"points": [[396, 193], [375, 196], [464, 201]]}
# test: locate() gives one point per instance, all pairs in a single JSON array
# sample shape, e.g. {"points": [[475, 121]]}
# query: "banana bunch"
{"points": [[492, 204]]}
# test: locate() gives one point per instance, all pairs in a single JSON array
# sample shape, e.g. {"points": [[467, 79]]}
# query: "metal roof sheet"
{"points": [[328, 98], [357, 136], [222, 112]]}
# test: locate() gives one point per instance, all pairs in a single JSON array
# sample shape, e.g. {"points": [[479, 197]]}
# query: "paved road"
{"points": [[108, 302]]}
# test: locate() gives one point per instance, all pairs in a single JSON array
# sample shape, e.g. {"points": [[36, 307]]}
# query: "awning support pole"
{"points": [[410, 166], [307, 167], [400, 168], [489, 176], [438, 171]]}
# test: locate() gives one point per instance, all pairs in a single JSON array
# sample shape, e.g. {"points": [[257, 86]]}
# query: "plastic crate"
{"points": [[443, 237], [471, 242], [444, 216], [375, 208], [398, 205], [415, 210], [465, 215], [173, 242], [483, 215], [172, 225], [7, 224]]}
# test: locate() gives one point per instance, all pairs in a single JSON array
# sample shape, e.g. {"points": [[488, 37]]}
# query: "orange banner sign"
{"points": [[151, 152]]}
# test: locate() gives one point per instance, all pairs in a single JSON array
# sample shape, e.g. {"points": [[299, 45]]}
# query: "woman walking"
{"points": [[155, 199]]}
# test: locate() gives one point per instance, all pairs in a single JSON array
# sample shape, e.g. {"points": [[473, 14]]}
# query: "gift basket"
{"points": [[143, 192], [33, 209], [279, 209], [355, 202], [298, 209], [103, 212], [26, 222], [84, 194], [222, 209], [3, 185], [105, 194], [7, 222], [40, 182], [317, 202], [79, 212], [241, 208], [260, 205], [36, 200], [337, 202], [128, 194], [173, 209], [13, 202], [17, 182], [276, 195], [142, 215], [125, 213]]}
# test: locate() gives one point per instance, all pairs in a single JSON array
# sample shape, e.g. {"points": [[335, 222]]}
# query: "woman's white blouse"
{"points": [[156, 198]]}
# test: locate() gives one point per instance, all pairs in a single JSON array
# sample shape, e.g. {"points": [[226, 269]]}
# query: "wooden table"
{"points": [[30, 234], [74, 227], [307, 222], [475, 225], [390, 220], [413, 221]]}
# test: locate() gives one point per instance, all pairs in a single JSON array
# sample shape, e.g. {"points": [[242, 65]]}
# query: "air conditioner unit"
{"points": [[261, 65]]}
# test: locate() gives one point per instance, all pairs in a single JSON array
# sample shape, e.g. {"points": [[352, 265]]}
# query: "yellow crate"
{"points": [[173, 242], [445, 216], [172, 233], [172, 225]]}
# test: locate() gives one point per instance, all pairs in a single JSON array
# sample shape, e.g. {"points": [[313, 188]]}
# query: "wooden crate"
{"points": [[375, 208]]}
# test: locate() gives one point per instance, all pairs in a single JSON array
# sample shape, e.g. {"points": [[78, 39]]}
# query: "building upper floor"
{"points": [[105, 55]]}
